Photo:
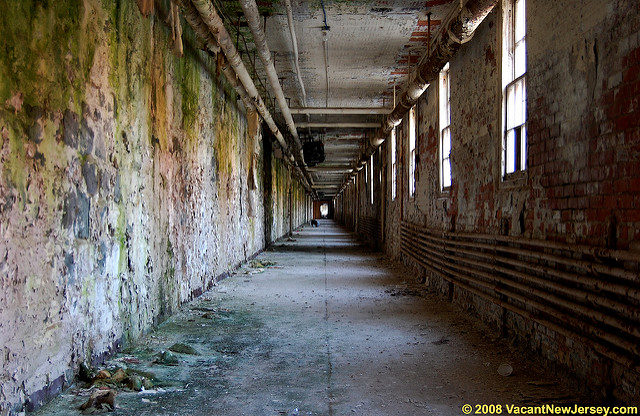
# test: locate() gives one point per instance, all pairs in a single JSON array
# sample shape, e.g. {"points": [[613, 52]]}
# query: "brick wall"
{"points": [[582, 185]]}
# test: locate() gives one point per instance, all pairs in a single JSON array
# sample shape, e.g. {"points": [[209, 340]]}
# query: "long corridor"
{"points": [[318, 325]]}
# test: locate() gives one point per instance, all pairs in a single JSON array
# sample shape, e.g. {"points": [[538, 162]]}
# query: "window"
{"points": [[394, 166], [366, 177], [371, 178], [514, 144], [445, 128], [412, 151], [324, 210], [380, 170]]}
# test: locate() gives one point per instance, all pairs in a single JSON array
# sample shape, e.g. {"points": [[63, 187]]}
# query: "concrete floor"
{"points": [[331, 329]]}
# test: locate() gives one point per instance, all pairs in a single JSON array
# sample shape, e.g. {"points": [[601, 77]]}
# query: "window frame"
{"points": [[412, 141], [371, 179], [514, 134], [444, 112], [394, 164]]}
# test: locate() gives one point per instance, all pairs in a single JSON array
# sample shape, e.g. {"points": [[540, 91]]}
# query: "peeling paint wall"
{"points": [[290, 202], [130, 180], [582, 185]]}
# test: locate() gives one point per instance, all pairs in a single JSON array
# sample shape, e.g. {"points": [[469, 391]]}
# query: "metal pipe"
{"points": [[341, 110], [296, 58], [250, 9], [457, 279], [617, 272], [480, 264], [294, 42], [574, 279], [552, 289], [597, 252], [325, 49], [466, 273], [339, 125], [458, 29], [200, 28], [216, 28]]}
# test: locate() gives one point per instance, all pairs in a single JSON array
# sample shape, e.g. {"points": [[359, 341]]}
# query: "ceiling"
{"points": [[371, 46]]}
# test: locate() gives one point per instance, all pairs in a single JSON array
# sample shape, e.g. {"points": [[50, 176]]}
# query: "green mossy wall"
{"points": [[130, 179]]}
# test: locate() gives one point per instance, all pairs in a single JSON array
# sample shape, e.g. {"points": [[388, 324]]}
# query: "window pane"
{"points": [[520, 60], [448, 103], [510, 152], [393, 145], [412, 171], [520, 20], [516, 103], [393, 181], [523, 101], [412, 128], [446, 142], [446, 173], [371, 170], [445, 95], [511, 99], [523, 147]]}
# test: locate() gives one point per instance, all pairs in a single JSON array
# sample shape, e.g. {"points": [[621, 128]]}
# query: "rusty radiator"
{"points": [[588, 294]]}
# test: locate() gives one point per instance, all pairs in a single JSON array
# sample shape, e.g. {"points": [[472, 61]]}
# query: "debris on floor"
{"points": [[266, 349], [167, 358], [441, 341], [262, 264], [406, 291], [117, 378], [258, 266], [543, 383], [181, 348], [505, 370], [99, 401]]}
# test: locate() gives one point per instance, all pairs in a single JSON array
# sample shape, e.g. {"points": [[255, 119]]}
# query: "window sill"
{"points": [[515, 180], [445, 192]]}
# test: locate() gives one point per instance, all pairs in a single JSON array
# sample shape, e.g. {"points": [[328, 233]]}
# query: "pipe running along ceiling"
{"points": [[326, 70]]}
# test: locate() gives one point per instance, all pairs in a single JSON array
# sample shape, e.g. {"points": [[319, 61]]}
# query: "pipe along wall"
{"points": [[131, 180]]}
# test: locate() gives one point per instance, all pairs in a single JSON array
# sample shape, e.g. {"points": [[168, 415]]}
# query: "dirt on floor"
{"points": [[317, 326]]}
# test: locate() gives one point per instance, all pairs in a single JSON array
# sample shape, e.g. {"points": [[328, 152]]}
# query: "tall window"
{"points": [[366, 177], [371, 177], [412, 151], [515, 88], [445, 128], [380, 170], [394, 166]]}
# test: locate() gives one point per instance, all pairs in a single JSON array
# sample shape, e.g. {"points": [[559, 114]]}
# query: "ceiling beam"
{"points": [[341, 145], [341, 174], [335, 169], [341, 110], [305, 125]]}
